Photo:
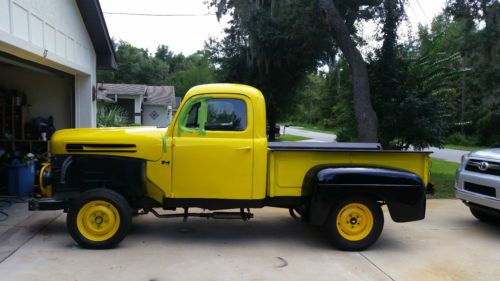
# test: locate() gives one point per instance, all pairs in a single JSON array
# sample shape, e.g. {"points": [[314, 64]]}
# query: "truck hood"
{"points": [[492, 153], [138, 142]]}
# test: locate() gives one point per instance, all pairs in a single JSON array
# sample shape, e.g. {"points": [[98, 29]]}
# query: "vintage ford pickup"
{"points": [[215, 155]]}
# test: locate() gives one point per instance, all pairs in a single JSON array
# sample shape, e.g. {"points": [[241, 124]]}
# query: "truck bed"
{"points": [[290, 161]]}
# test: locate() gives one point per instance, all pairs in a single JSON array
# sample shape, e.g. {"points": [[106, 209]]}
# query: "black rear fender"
{"points": [[403, 192]]}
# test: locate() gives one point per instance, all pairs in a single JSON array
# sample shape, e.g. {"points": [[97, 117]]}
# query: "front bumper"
{"points": [[478, 199], [47, 204]]}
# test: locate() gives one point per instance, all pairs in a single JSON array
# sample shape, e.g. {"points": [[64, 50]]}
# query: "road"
{"points": [[448, 245], [452, 155], [315, 136]]}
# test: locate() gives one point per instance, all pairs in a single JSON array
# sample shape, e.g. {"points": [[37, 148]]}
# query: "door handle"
{"points": [[244, 148]]}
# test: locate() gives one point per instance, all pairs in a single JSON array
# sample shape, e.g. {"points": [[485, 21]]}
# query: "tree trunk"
{"points": [[365, 115], [271, 112]]}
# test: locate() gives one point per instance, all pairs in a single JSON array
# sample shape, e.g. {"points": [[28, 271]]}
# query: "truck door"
{"points": [[213, 148]]}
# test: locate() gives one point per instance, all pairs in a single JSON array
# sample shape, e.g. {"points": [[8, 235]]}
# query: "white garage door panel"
{"points": [[20, 22], [4, 15], [36, 31]]}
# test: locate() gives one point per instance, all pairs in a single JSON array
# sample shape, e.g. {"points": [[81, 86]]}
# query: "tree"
{"points": [[135, 66], [196, 69], [175, 61], [337, 24], [393, 12], [271, 45]]}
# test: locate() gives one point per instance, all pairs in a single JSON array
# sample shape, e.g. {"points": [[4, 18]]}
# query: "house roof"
{"points": [[96, 27], [122, 89], [160, 95], [153, 95]]}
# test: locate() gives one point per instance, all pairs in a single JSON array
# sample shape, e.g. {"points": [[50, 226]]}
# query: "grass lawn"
{"points": [[461, 147], [443, 178], [291, 138]]}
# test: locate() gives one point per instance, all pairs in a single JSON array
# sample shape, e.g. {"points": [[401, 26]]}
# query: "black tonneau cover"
{"points": [[322, 146]]}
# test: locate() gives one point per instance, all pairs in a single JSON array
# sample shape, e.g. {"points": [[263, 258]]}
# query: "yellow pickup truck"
{"points": [[215, 156]]}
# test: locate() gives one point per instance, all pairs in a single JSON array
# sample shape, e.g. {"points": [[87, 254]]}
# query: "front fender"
{"points": [[403, 192]]}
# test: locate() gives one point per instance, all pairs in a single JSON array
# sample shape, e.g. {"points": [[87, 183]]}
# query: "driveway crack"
{"points": [[35, 233], [376, 266]]}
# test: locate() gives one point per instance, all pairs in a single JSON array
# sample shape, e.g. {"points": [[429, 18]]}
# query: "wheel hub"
{"points": [[354, 221], [98, 220]]}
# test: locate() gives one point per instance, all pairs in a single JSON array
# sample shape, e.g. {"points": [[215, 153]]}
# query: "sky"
{"points": [[187, 34]]}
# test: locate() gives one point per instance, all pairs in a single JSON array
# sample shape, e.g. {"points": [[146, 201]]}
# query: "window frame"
{"points": [[180, 128]]}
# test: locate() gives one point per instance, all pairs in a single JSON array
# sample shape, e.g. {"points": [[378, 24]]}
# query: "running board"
{"points": [[214, 215]]}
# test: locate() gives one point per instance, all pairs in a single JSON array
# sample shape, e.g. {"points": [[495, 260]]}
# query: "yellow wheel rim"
{"points": [[98, 220], [354, 221]]}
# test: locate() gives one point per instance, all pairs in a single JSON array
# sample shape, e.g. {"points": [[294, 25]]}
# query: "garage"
{"points": [[34, 101], [49, 55]]}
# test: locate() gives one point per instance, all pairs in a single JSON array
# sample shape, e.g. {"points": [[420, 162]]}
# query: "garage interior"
{"points": [[35, 101]]}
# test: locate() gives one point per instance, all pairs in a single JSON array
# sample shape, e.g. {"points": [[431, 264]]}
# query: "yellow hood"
{"points": [[138, 142]]}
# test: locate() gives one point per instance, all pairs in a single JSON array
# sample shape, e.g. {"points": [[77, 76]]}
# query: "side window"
{"points": [[226, 115], [192, 118]]}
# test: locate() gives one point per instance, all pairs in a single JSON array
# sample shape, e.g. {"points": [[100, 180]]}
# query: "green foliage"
{"points": [[462, 140], [195, 70], [340, 83], [292, 138], [417, 112], [489, 128], [309, 106], [137, 66], [271, 45], [175, 62], [109, 115], [472, 28]]}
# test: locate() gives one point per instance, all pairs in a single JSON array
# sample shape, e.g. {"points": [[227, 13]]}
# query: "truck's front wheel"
{"points": [[355, 223], [99, 219], [484, 216]]}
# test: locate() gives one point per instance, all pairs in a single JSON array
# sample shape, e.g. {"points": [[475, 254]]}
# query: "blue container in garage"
{"points": [[20, 178]]}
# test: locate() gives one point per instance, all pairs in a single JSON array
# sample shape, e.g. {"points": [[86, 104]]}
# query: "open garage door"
{"points": [[34, 101]]}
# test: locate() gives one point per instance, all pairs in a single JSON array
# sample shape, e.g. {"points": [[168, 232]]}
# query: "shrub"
{"points": [[109, 115], [459, 139]]}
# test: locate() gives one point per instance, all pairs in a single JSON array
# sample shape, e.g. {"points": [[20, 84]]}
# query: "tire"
{"points": [[484, 216], [99, 219], [355, 223]]}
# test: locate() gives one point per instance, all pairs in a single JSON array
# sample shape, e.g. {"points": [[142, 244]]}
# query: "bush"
{"points": [[459, 139], [109, 115], [416, 113]]}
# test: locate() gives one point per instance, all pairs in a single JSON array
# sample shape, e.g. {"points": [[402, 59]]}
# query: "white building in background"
{"points": [[144, 105]]}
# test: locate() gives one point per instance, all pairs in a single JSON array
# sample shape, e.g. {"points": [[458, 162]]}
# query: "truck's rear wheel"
{"points": [[99, 219], [355, 223]]}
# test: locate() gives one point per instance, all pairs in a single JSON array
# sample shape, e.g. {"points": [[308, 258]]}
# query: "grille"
{"points": [[481, 189], [474, 164]]}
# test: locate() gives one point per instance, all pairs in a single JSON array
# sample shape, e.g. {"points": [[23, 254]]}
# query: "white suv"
{"points": [[477, 183]]}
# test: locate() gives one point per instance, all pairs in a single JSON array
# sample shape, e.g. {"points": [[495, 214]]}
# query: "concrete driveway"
{"points": [[316, 136], [448, 245], [452, 155]]}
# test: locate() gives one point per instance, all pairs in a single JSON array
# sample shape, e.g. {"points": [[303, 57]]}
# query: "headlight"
{"points": [[465, 158]]}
